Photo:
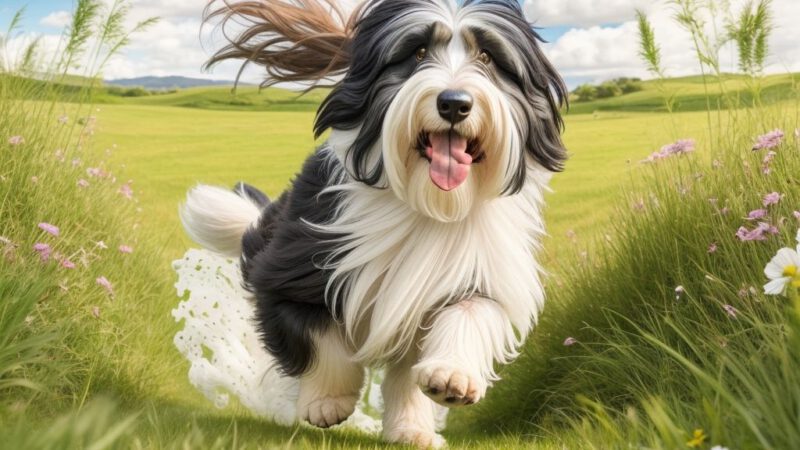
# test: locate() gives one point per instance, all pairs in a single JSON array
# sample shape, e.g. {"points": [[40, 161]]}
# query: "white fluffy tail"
{"points": [[217, 218]]}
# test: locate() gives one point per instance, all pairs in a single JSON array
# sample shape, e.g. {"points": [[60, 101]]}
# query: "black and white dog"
{"points": [[408, 239]]}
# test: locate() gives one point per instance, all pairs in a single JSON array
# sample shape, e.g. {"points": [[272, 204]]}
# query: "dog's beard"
{"points": [[489, 133]]}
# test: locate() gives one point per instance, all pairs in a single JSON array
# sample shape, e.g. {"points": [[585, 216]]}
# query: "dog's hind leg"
{"points": [[460, 349], [330, 388], [409, 417]]}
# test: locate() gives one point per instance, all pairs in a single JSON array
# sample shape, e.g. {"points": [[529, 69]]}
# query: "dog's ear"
{"points": [[295, 40]]}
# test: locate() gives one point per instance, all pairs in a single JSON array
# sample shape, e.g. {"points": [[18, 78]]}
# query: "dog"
{"points": [[408, 240]]}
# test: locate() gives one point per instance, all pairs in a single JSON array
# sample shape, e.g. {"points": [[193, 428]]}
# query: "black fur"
{"points": [[282, 261]]}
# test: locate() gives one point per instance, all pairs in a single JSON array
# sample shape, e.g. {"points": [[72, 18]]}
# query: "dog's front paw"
{"points": [[327, 411], [448, 385], [418, 438]]}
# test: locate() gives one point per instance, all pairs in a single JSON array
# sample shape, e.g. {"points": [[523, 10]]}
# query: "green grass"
{"points": [[81, 368], [166, 150]]}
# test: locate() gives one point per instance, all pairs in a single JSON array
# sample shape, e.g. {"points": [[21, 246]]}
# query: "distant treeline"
{"points": [[613, 88], [120, 91]]}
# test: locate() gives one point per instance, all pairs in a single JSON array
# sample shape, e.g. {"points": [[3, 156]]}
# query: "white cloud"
{"points": [[57, 19], [584, 13], [612, 51]]}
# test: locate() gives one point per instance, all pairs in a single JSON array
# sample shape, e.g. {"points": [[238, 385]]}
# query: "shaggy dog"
{"points": [[408, 239]]}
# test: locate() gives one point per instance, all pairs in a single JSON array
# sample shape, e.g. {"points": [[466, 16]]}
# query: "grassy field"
{"points": [[673, 345]]}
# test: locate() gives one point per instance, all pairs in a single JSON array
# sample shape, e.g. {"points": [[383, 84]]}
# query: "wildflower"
{"points": [[757, 214], [638, 205], [679, 291], [680, 147], [52, 229], [796, 215], [713, 248], [698, 437], [63, 119], [95, 172], [719, 447], [34, 179], [724, 211], [760, 233], [716, 164], [747, 291], [59, 155], [101, 245], [730, 310], [772, 199], [769, 140], [67, 264], [125, 249], [16, 140], [783, 271], [126, 190], [570, 341], [43, 250], [76, 162], [96, 312], [103, 281], [83, 183]]}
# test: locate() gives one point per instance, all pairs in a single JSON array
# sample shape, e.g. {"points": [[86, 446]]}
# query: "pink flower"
{"points": [[67, 264], [680, 147], [760, 233], [52, 229], [83, 183], [570, 341], [126, 190], [772, 199], [713, 248], [103, 281], [769, 140], [796, 215], [43, 250], [730, 310], [16, 140], [125, 249], [757, 214], [94, 172]]}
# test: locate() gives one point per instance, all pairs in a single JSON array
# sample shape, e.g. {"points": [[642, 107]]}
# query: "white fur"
{"points": [[217, 218], [329, 391]]}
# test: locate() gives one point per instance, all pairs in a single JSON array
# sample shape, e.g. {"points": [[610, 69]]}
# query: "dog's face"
{"points": [[446, 105]]}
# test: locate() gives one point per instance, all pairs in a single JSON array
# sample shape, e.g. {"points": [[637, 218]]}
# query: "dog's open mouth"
{"points": [[450, 155]]}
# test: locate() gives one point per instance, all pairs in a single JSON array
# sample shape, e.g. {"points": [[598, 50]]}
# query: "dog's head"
{"points": [[446, 104]]}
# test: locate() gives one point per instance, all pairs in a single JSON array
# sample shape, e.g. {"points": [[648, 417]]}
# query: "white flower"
{"points": [[783, 270], [719, 447]]}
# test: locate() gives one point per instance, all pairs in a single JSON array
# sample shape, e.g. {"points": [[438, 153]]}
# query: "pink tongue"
{"points": [[450, 162]]}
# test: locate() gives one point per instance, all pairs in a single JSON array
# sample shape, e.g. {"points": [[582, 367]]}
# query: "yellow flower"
{"points": [[697, 439]]}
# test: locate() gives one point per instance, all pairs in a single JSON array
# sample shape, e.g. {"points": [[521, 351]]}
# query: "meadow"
{"points": [[657, 332]]}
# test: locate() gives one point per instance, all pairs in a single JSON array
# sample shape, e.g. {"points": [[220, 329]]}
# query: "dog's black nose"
{"points": [[454, 105]]}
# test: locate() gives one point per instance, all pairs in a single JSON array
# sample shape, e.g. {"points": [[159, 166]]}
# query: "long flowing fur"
{"points": [[437, 285], [296, 41]]}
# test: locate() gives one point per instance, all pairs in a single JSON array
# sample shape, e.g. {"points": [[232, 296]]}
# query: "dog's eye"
{"points": [[485, 58], [422, 52]]}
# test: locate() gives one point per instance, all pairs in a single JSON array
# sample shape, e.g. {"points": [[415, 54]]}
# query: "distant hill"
{"points": [[172, 82]]}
